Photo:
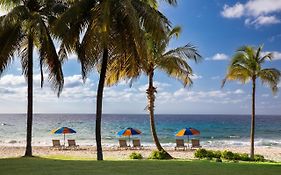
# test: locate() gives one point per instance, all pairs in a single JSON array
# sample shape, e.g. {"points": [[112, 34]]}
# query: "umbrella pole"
{"points": [[64, 139], [188, 141]]}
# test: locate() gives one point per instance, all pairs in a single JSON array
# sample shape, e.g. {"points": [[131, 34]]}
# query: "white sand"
{"points": [[271, 153]]}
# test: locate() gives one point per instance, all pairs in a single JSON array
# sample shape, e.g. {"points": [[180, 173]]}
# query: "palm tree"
{"points": [[24, 27], [245, 66], [113, 30], [172, 62]]}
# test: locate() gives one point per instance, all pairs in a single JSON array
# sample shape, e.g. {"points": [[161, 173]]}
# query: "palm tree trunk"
{"points": [[151, 99], [99, 103], [253, 119], [28, 151]]}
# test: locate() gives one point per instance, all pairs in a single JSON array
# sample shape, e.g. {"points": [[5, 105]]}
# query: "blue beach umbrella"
{"points": [[129, 132], [63, 130]]}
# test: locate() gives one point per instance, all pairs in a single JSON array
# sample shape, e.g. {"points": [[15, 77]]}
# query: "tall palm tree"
{"points": [[113, 30], [245, 66], [24, 27], [172, 62]]}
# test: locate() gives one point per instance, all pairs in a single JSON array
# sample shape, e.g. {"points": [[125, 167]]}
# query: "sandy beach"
{"points": [[113, 153]]}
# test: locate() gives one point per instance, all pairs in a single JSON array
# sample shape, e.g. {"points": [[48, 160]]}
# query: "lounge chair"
{"points": [[123, 144], [56, 144], [72, 144], [180, 144], [195, 143], [137, 144]]}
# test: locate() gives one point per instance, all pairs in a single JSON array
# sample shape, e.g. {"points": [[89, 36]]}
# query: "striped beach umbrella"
{"points": [[129, 132], [187, 132], [63, 130]]}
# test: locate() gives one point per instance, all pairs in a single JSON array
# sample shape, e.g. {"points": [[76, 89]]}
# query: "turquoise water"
{"points": [[215, 130]]}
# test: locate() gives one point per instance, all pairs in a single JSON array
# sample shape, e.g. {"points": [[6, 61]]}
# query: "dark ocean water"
{"points": [[215, 129]]}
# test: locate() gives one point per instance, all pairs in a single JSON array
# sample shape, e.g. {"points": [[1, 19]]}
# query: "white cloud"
{"points": [[12, 80], [262, 7], [80, 97], [279, 85], [262, 20], [218, 57], [257, 12], [212, 97], [72, 57], [276, 55], [239, 91], [14, 87], [195, 77], [235, 11]]}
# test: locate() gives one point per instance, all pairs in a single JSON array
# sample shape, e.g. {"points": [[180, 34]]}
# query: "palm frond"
{"points": [[176, 67], [16, 15], [23, 53], [159, 26], [69, 26], [271, 77], [49, 58], [8, 4], [11, 38], [175, 32], [237, 72], [246, 65], [122, 69], [186, 52], [268, 56]]}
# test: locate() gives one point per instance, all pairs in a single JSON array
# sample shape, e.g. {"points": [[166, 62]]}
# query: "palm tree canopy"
{"points": [[30, 19], [114, 24], [246, 65], [173, 62]]}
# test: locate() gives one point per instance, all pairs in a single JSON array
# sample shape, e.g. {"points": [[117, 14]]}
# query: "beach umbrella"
{"points": [[187, 132], [63, 130], [129, 132]]}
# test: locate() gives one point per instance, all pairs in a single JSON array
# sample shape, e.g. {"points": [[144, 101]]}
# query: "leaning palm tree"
{"points": [[111, 29], [22, 29], [245, 66], [172, 62]]}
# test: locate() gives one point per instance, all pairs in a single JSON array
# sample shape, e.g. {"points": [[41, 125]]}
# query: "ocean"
{"points": [[216, 130]]}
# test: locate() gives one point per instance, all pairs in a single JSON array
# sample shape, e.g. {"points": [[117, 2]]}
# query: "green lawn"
{"points": [[44, 166]]}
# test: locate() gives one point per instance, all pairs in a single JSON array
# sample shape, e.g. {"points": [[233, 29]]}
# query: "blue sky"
{"points": [[216, 27]]}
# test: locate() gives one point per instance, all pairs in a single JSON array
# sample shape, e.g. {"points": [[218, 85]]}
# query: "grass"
{"points": [[48, 166]]}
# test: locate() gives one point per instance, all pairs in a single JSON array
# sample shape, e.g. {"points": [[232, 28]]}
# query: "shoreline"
{"points": [[113, 153]]}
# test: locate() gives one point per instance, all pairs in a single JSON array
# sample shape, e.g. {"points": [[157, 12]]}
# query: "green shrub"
{"points": [[228, 155], [159, 155], [244, 157], [209, 154], [135, 155], [200, 153], [236, 156], [217, 154], [259, 158], [218, 160]]}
